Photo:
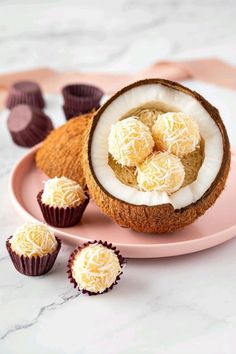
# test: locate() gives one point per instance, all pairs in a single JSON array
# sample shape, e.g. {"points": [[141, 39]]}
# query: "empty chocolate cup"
{"points": [[25, 92], [34, 265], [62, 217], [78, 249], [82, 98], [70, 112], [73, 112], [28, 125]]}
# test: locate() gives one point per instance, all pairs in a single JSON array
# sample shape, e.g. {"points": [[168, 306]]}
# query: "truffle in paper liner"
{"points": [[82, 98], [28, 125], [34, 265], [62, 217], [78, 249], [25, 92]]}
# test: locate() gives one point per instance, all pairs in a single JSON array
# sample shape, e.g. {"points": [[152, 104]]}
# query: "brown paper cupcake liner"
{"points": [[83, 106], [82, 98], [35, 265], [25, 93], [29, 99], [78, 249], [62, 217], [71, 112], [36, 132]]}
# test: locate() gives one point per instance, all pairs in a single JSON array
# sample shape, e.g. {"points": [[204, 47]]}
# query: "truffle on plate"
{"points": [[95, 267], [28, 125], [62, 202], [33, 248]]}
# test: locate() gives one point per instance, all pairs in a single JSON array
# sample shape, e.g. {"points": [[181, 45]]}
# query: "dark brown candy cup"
{"points": [[70, 112], [81, 97], [78, 249], [62, 217], [28, 125], [25, 92], [35, 265], [73, 112]]}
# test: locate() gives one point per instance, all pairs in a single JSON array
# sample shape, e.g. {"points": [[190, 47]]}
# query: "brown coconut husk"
{"points": [[61, 152], [160, 218]]}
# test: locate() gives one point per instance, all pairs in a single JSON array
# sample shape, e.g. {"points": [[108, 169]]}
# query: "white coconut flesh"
{"points": [[166, 99]]}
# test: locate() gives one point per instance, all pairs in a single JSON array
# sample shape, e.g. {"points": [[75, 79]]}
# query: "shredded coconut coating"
{"points": [[33, 239], [148, 116], [62, 192], [95, 268], [162, 172], [130, 141], [176, 132]]}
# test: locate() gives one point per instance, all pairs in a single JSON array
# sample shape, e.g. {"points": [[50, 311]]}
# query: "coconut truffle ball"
{"points": [[161, 172], [95, 268], [130, 141], [33, 239], [176, 132], [62, 192]]}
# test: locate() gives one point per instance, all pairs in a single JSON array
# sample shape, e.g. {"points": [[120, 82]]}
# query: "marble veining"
{"points": [[50, 307], [176, 305]]}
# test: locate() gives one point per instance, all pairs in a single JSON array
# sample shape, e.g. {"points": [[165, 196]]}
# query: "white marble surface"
{"points": [[181, 305]]}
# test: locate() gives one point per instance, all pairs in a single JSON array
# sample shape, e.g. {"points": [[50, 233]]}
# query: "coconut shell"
{"points": [[160, 218], [61, 152]]}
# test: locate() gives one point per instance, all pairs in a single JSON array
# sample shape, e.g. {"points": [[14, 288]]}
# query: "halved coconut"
{"points": [[206, 168]]}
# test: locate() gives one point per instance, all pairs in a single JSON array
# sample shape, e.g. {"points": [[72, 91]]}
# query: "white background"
{"points": [[183, 305]]}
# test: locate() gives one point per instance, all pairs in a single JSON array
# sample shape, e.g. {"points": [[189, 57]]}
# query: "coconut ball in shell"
{"points": [[156, 211]]}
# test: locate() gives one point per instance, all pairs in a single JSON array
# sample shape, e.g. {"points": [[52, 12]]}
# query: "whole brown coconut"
{"points": [[157, 218], [61, 152]]}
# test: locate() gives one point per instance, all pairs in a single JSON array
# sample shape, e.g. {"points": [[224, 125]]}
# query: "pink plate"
{"points": [[216, 226]]}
